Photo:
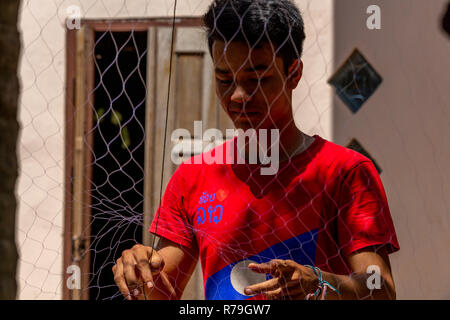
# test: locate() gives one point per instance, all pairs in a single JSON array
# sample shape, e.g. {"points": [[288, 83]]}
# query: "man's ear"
{"points": [[295, 73]]}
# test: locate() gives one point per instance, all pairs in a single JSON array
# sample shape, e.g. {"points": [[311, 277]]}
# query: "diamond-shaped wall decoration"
{"points": [[355, 81], [355, 145]]}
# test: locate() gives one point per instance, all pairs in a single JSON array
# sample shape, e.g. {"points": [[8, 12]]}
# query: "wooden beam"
{"points": [[139, 24], [150, 111], [68, 160], [89, 78], [82, 167]]}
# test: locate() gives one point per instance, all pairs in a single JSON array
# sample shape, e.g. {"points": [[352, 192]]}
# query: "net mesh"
{"points": [[279, 216]]}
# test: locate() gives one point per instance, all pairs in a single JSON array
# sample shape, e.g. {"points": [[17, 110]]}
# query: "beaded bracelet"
{"points": [[323, 285]]}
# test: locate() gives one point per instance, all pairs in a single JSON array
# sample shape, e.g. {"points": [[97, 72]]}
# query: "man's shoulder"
{"points": [[340, 158]]}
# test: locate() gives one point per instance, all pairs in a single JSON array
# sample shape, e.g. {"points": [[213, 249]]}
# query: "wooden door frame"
{"points": [[91, 26]]}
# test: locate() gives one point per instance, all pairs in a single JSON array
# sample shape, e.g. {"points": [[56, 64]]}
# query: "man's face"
{"points": [[252, 85]]}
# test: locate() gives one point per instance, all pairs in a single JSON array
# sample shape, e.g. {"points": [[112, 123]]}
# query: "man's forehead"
{"points": [[257, 57]]}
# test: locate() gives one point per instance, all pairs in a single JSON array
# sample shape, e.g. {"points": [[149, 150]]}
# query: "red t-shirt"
{"points": [[321, 205]]}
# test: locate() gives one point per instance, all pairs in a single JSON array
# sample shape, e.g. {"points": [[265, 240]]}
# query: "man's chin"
{"points": [[246, 125]]}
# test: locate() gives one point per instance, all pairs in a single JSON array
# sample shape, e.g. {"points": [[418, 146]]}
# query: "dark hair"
{"points": [[257, 21]]}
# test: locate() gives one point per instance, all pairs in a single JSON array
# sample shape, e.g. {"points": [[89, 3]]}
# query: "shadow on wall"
{"points": [[446, 20]]}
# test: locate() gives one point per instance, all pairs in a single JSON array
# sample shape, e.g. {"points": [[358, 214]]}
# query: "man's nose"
{"points": [[240, 95]]}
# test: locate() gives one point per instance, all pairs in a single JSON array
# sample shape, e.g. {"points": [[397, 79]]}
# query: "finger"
{"points": [[275, 294], [285, 292], [293, 293], [285, 267], [265, 267], [129, 270], [275, 267], [143, 265], [119, 279], [297, 297], [262, 287], [156, 261], [287, 288]]}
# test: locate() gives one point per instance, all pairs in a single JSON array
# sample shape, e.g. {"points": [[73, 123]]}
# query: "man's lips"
{"points": [[246, 113], [245, 116]]}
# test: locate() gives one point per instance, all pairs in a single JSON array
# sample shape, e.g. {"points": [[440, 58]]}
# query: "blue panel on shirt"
{"points": [[301, 249]]}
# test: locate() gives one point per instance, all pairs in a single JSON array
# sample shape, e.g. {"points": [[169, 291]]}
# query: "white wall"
{"points": [[405, 127]]}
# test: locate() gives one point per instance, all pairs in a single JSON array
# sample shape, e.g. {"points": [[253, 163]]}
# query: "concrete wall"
{"points": [[405, 127]]}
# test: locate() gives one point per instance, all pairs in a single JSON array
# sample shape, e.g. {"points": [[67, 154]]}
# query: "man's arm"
{"points": [[355, 286], [179, 265], [163, 272]]}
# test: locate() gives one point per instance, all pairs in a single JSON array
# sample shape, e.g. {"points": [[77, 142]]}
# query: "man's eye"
{"points": [[259, 79], [225, 81]]}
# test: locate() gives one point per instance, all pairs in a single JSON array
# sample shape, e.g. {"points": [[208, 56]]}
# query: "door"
{"points": [[191, 98]]}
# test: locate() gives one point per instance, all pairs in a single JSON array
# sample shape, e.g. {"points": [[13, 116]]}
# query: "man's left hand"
{"points": [[291, 281]]}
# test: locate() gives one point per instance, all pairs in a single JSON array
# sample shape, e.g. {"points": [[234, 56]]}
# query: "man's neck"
{"points": [[291, 142]]}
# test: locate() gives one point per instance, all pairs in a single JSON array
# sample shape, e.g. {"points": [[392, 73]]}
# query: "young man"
{"points": [[311, 230]]}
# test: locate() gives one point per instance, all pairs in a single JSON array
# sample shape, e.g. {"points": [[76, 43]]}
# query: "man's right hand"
{"points": [[141, 267]]}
